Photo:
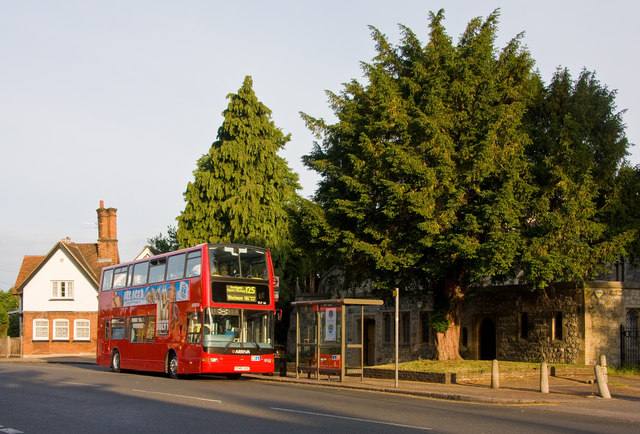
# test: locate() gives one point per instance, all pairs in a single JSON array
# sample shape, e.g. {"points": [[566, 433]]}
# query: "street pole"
{"points": [[397, 295]]}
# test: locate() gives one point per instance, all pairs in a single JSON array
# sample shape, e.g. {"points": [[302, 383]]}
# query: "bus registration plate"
{"points": [[241, 368]]}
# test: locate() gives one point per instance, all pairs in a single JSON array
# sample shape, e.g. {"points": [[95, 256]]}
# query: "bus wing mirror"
{"points": [[278, 314]]}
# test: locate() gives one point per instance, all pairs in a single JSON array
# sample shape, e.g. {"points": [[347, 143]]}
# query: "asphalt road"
{"points": [[52, 398]]}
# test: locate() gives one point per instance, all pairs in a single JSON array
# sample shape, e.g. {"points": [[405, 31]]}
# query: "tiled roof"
{"points": [[29, 264], [86, 255]]}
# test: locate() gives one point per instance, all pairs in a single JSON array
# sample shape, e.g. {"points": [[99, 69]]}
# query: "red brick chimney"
{"points": [[107, 235]]}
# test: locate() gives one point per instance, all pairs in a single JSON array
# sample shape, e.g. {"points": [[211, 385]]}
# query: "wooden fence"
{"points": [[10, 347]]}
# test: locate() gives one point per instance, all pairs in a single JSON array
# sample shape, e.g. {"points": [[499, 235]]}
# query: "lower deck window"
{"points": [[117, 328]]}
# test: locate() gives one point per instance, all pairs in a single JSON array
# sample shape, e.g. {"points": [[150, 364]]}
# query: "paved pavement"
{"points": [[624, 390]]}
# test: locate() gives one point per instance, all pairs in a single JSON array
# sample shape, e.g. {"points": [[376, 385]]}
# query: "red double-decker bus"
{"points": [[205, 309]]}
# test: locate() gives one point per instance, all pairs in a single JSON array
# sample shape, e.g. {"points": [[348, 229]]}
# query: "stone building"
{"points": [[566, 323]]}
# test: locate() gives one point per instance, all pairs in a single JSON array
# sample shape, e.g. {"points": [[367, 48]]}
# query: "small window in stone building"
{"points": [[425, 329], [524, 325], [464, 336], [405, 327], [387, 328], [557, 326], [632, 320]]}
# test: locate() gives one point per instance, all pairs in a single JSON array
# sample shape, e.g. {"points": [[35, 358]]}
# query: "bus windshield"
{"points": [[224, 327], [238, 261]]}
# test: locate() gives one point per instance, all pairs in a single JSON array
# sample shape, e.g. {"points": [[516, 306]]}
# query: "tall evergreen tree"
{"points": [[576, 123], [622, 210], [241, 187], [425, 180], [577, 146]]}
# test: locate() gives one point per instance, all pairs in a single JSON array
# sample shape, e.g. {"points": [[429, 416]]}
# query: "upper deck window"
{"points": [[194, 264], [120, 277], [175, 267], [235, 261], [156, 270], [140, 273], [106, 280]]}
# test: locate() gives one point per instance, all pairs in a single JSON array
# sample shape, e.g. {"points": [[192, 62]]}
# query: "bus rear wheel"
{"points": [[172, 367], [115, 361]]}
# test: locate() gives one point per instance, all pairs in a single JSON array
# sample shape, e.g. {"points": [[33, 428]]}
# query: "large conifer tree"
{"points": [[426, 183], [241, 187]]}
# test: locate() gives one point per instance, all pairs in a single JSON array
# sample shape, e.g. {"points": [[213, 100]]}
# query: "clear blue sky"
{"points": [[116, 100]]}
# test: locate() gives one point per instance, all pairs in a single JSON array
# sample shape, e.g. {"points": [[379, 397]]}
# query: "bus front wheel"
{"points": [[173, 366], [115, 361]]}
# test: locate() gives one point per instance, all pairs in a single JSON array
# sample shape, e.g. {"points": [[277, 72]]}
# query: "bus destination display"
{"points": [[241, 293]]}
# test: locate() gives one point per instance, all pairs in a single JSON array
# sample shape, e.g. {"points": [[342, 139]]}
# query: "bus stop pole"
{"points": [[362, 343], [343, 334], [297, 342], [318, 334], [397, 294]]}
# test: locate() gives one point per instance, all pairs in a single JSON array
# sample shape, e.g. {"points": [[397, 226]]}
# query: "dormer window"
{"points": [[62, 289]]}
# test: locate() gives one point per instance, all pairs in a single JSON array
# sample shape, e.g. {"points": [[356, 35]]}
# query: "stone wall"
{"points": [[566, 323], [416, 348], [529, 326], [604, 314]]}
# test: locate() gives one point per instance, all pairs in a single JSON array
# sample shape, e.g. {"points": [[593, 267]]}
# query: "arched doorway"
{"points": [[487, 344]]}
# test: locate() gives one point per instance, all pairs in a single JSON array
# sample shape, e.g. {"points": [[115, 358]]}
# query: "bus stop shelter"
{"points": [[328, 337]]}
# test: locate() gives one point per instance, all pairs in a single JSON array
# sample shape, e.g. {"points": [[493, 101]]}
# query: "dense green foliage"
{"points": [[622, 210], [8, 303], [244, 192], [241, 187], [575, 122], [454, 164], [422, 174], [165, 243]]}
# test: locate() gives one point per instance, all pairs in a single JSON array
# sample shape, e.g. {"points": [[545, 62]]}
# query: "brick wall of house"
{"points": [[34, 348]]}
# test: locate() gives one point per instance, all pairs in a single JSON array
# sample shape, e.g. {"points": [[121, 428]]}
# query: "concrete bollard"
{"points": [[603, 365], [603, 389], [544, 378], [495, 375]]}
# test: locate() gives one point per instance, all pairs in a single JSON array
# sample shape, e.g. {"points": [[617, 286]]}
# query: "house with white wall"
{"points": [[59, 293]]}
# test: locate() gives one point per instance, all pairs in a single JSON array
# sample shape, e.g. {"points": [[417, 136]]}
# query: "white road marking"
{"points": [[217, 401], [9, 430], [351, 418], [72, 383]]}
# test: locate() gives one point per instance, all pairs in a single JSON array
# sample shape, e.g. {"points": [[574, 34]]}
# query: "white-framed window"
{"points": [[40, 329], [60, 329], [81, 330], [62, 289]]}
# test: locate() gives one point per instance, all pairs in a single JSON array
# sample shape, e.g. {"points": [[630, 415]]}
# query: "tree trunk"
{"points": [[448, 342]]}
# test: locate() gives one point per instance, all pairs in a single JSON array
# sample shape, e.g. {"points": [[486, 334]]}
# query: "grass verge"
{"points": [[467, 366]]}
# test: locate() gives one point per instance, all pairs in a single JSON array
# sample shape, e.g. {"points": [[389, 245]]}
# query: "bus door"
{"points": [[106, 342], [191, 347]]}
